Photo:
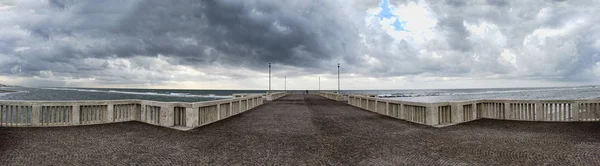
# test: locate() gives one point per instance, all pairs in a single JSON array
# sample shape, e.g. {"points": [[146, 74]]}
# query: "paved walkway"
{"points": [[306, 130]]}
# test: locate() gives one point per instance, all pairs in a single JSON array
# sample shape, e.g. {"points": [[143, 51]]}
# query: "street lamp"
{"points": [[269, 78], [339, 79], [285, 84]]}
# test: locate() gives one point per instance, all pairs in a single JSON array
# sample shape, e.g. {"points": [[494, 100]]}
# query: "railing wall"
{"points": [[167, 114], [449, 113], [332, 96], [275, 95]]}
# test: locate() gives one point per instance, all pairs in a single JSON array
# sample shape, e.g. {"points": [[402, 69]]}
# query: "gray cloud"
{"points": [[120, 42]]}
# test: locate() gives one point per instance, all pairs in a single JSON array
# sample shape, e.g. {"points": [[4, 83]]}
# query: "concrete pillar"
{"points": [[167, 114], [538, 112], [134, 113], [36, 110], [508, 112], [457, 111], [191, 117], [387, 108], [401, 111], [360, 103], [376, 109], [240, 106], [431, 115], [575, 111], [143, 113], [75, 119], [231, 109], [474, 111], [109, 113], [219, 111]]}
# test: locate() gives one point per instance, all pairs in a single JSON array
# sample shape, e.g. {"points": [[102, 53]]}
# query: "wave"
{"points": [[524, 90], [187, 95], [423, 94], [8, 93]]}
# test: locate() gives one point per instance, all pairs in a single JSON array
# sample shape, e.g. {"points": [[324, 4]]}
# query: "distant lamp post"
{"points": [[269, 78], [285, 84], [319, 84], [339, 79]]}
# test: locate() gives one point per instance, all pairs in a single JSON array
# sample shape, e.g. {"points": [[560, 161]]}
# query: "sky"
{"points": [[227, 44]]}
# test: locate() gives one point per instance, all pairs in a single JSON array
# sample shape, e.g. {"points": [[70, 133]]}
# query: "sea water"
{"points": [[419, 95]]}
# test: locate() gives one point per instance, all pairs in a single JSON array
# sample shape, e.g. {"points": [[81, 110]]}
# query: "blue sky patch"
{"points": [[387, 12]]}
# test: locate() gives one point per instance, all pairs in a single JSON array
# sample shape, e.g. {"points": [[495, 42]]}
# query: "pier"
{"points": [[292, 129]]}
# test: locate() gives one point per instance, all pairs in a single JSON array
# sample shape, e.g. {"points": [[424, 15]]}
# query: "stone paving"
{"points": [[306, 130]]}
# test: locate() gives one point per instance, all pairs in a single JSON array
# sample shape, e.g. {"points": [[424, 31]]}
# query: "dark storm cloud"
{"points": [[246, 34], [238, 34], [130, 41]]}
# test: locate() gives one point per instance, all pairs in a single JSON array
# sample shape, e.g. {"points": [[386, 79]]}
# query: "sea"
{"points": [[418, 95]]}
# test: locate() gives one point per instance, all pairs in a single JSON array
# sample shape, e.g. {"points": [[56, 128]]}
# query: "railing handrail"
{"points": [[123, 101], [484, 100]]}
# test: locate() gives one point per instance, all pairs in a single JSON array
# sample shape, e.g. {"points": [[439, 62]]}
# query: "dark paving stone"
{"points": [[306, 130]]}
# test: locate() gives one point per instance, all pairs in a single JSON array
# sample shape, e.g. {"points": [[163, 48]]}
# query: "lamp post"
{"points": [[319, 84], [285, 84], [338, 78], [269, 79]]}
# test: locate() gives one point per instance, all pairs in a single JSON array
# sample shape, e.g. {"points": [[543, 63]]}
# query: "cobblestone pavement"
{"points": [[306, 130]]}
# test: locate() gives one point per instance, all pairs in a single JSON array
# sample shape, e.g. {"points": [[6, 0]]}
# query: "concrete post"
{"points": [[36, 110], [376, 105], [75, 120], [431, 115], [360, 103], [219, 111], [486, 110], [240, 106], [231, 109], [135, 113], [457, 113], [538, 112], [109, 113], [247, 105], [575, 111], [401, 112], [387, 108], [191, 117], [167, 113], [475, 111], [508, 112], [143, 113]]}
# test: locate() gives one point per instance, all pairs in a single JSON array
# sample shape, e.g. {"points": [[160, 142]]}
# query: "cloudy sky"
{"points": [[227, 44]]}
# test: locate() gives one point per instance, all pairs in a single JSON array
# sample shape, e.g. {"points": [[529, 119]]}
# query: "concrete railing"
{"points": [[275, 95], [332, 96], [167, 114], [449, 113]]}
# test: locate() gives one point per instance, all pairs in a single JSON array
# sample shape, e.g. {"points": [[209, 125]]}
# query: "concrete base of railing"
{"points": [[444, 114], [177, 115], [275, 95]]}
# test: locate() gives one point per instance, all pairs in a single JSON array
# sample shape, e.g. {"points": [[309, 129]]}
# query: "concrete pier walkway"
{"points": [[306, 130]]}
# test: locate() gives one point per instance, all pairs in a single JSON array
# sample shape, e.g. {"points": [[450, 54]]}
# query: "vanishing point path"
{"points": [[306, 130]]}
